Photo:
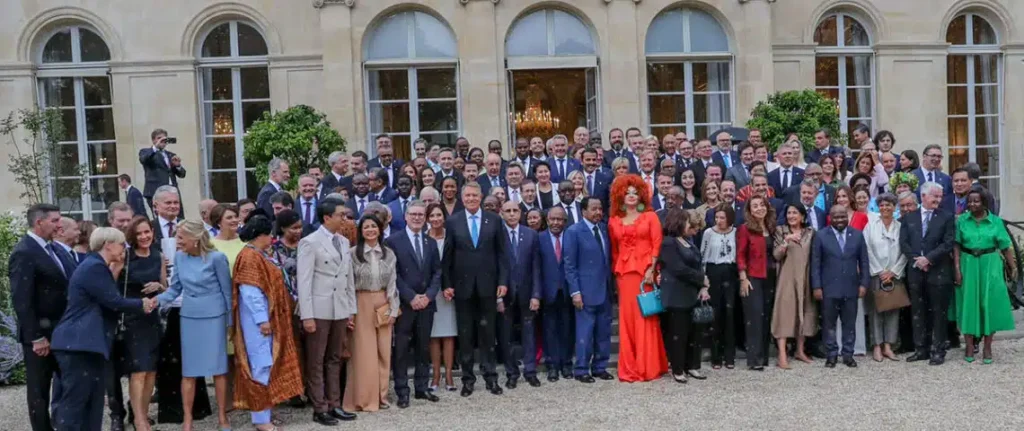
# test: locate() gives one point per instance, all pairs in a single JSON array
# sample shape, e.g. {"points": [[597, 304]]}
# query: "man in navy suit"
{"points": [[663, 187], [567, 201], [401, 203], [386, 160], [446, 158], [492, 174], [759, 184], [476, 274], [815, 216], [379, 188], [553, 293], [787, 174], [727, 193], [418, 270], [931, 172], [523, 157], [839, 275], [616, 139], [587, 255], [596, 183], [162, 167], [279, 176], [524, 276], [132, 195], [822, 147], [338, 175], [560, 162], [724, 155], [361, 195], [305, 205]]}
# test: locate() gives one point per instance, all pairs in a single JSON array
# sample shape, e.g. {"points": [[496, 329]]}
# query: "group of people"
{"points": [[376, 266]]}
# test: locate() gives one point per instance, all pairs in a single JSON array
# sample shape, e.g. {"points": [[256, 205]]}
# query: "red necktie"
{"points": [[558, 249]]}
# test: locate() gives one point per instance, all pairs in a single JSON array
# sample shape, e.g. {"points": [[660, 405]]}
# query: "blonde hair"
{"points": [[620, 162], [103, 236], [579, 173], [195, 229]]}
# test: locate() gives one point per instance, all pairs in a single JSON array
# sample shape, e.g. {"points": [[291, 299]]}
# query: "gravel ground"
{"points": [[888, 395]]}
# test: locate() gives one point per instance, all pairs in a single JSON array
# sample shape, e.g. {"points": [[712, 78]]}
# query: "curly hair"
{"points": [[618, 193]]}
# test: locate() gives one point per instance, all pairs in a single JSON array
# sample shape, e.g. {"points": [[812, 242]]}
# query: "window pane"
{"points": [[711, 76], [220, 153], [858, 103], [988, 159], [58, 92], [529, 36], [956, 100], [858, 70], [433, 38], [220, 119], [58, 48], [389, 84], [442, 139], [216, 84], [68, 195], [986, 68], [826, 72], [956, 69], [439, 116], [102, 159], [982, 31], [668, 109], [665, 33], [854, 34], [99, 124], [572, 37], [103, 192], [851, 125], [218, 42], [66, 163], [957, 158], [665, 77], [252, 111], [389, 118], [250, 41], [402, 145], [701, 132], [435, 83], [390, 39], [252, 185], [986, 101], [97, 90], [986, 131], [255, 83], [70, 125], [224, 186], [662, 131], [711, 108], [93, 48], [706, 35], [957, 132], [825, 34], [956, 33]]}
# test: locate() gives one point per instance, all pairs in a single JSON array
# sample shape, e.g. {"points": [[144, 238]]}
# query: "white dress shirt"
{"points": [[884, 246], [164, 228]]}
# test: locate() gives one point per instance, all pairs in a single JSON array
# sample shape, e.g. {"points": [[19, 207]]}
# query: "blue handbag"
{"points": [[650, 302]]}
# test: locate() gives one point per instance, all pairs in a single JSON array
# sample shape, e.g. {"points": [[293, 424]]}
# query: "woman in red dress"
{"points": [[845, 197], [635, 240]]}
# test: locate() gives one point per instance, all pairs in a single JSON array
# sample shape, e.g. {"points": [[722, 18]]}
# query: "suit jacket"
{"points": [[552, 270], [792, 195], [441, 176], [602, 186], [738, 174], [839, 272], [571, 164], [158, 171], [737, 207], [682, 274], [94, 302], [814, 156], [700, 171], [948, 203], [656, 201], [133, 197], [394, 171], [524, 263], [476, 269], [734, 157], [325, 281], [412, 276], [396, 164], [528, 164], [263, 199], [39, 289], [353, 204], [484, 180], [570, 218], [385, 196], [937, 246], [330, 182], [397, 214], [611, 155], [775, 178], [587, 266], [819, 214], [158, 232]]}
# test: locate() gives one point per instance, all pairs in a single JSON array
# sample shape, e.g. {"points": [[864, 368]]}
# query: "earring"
{"points": [[640, 207], [623, 207]]}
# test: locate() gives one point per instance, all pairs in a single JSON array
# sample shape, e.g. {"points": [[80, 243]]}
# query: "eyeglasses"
{"points": [[934, 156]]}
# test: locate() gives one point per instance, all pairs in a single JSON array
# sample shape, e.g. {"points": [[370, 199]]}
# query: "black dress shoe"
{"points": [[342, 415], [533, 381], [403, 402], [467, 390], [116, 426], [429, 396], [325, 419], [512, 382], [604, 375], [567, 374], [918, 357], [830, 363], [585, 379], [494, 388], [552, 376], [849, 362], [937, 360]]}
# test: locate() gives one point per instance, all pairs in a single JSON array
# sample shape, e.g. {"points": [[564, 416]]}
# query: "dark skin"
{"points": [[404, 187], [840, 220], [566, 193], [361, 185]]}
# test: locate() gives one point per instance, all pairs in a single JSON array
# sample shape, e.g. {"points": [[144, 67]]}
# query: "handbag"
{"points": [[650, 302], [890, 296], [383, 313], [704, 313]]}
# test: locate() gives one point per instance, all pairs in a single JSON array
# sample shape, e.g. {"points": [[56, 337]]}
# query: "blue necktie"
{"points": [[842, 241], [514, 247], [727, 160], [590, 184], [474, 230]]}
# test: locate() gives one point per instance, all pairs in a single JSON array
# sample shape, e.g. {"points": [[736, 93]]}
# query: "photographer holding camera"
{"points": [[162, 167]]}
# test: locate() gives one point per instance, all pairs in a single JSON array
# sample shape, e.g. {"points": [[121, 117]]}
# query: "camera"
{"points": [[170, 140]]}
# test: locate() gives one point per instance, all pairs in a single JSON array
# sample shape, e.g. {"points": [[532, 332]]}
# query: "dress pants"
{"points": [[412, 325], [559, 326], [723, 287], [323, 363], [41, 372], [682, 341], [115, 395], [929, 303], [475, 317], [845, 310], [757, 321], [518, 309], [80, 407], [593, 338]]}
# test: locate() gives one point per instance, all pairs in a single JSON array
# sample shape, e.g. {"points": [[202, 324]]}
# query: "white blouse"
{"points": [[884, 246], [718, 248]]}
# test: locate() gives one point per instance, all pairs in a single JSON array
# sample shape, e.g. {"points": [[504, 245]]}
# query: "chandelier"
{"points": [[534, 120]]}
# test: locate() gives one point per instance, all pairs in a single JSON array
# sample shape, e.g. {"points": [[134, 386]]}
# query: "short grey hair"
{"points": [[420, 141], [337, 196], [887, 197], [162, 190], [559, 136], [103, 236], [908, 195], [428, 190], [275, 164], [335, 157], [928, 187], [809, 165], [416, 204], [375, 207]]}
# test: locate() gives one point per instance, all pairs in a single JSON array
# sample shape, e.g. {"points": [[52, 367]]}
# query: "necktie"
{"points": [[405, 205], [362, 204], [494, 182], [727, 160], [930, 177], [53, 255], [597, 236], [561, 168], [337, 245], [515, 195], [924, 226], [558, 248], [309, 213], [515, 246], [416, 243], [810, 215], [650, 183], [590, 184], [170, 229], [569, 213], [785, 179], [961, 205], [842, 241], [474, 230]]}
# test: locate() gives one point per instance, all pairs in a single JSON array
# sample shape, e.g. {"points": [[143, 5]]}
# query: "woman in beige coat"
{"points": [[794, 315]]}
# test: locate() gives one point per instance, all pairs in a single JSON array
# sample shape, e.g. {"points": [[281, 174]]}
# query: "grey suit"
{"points": [[739, 175]]}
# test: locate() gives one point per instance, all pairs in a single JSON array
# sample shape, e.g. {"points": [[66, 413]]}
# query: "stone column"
{"points": [[341, 79], [481, 74], [753, 66], [1012, 152], [621, 63]]}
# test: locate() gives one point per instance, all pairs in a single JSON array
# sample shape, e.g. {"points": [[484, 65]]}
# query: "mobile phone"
{"points": [[171, 140]]}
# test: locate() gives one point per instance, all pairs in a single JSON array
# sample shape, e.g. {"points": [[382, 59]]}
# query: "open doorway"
{"points": [[547, 102]]}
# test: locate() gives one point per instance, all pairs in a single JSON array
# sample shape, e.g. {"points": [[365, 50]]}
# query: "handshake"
{"points": [[150, 304]]}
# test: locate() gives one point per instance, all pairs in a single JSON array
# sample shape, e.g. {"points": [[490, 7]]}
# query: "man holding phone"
{"points": [[162, 167]]}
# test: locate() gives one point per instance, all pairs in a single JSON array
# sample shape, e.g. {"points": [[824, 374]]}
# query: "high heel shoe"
{"points": [[969, 359]]}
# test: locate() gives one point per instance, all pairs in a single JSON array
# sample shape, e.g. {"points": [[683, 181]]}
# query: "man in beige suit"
{"points": [[327, 300]]}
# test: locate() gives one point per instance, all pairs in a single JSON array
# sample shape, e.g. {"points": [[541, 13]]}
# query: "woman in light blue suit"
{"points": [[202, 279]]}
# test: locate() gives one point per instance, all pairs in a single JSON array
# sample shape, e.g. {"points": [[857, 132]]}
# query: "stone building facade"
{"points": [[930, 71]]}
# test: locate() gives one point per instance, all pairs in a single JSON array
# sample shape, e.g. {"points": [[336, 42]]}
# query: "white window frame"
{"points": [[413, 100], [841, 52], [235, 63], [970, 51], [77, 70]]}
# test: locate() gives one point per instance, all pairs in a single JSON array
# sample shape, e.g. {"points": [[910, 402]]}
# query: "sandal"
{"points": [[451, 388]]}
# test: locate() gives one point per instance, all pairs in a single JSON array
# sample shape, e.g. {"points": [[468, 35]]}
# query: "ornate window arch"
{"points": [[844, 69]]}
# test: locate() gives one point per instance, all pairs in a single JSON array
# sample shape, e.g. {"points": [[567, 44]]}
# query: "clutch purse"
{"points": [[383, 313], [704, 313], [650, 302], [890, 296]]}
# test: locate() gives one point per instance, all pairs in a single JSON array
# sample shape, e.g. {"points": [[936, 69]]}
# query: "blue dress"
{"points": [[204, 282]]}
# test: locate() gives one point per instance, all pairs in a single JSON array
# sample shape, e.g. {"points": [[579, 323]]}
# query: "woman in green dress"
{"points": [[982, 301]]}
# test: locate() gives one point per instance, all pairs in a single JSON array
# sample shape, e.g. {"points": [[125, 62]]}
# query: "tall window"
{"points": [[412, 85], [843, 70], [689, 67], [973, 89], [235, 92], [73, 79]]}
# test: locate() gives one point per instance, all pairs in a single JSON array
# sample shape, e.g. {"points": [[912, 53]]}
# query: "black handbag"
{"points": [[703, 314]]}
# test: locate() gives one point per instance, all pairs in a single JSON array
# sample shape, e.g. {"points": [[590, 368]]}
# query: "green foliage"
{"points": [[35, 135], [12, 227], [299, 135], [12, 366], [801, 112]]}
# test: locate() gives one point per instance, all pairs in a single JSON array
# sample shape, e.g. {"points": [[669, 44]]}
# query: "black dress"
{"points": [[141, 338], [547, 199]]}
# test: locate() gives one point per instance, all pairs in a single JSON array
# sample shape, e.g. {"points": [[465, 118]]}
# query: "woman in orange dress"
{"points": [[635, 241]]}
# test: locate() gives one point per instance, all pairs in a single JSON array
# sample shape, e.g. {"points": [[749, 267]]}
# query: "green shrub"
{"points": [[801, 112], [298, 135]]}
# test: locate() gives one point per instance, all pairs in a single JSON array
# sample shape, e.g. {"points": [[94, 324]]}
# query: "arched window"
{"points": [[411, 82], [843, 70], [72, 73], [689, 74], [974, 92], [234, 86]]}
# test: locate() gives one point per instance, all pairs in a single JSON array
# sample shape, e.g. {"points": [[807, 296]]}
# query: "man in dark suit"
{"points": [[615, 138], [400, 204], [673, 200], [386, 161], [39, 282], [740, 172], [815, 216], [166, 206], [839, 275], [727, 191], [162, 167], [492, 174], [553, 293], [524, 276], [446, 159], [418, 270], [787, 174], [931, 172], [724, 154], [523, 156], [926, 238], [663, 187], [379, 186], [361, 195], [279, 176], [132, 196], [476, 274], [823, 196], [560, 162], [337, 176], [759, 184], [567, 201], [588, 273], [596, 183], [306, 202], [822, 147]]}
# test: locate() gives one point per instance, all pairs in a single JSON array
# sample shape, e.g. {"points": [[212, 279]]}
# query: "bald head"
{"points": [[581, 137], [68, 231], [205, 206], [493, 163]]}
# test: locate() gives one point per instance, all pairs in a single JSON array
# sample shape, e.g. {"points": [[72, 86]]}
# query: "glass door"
{"points": [[593, 106]]}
